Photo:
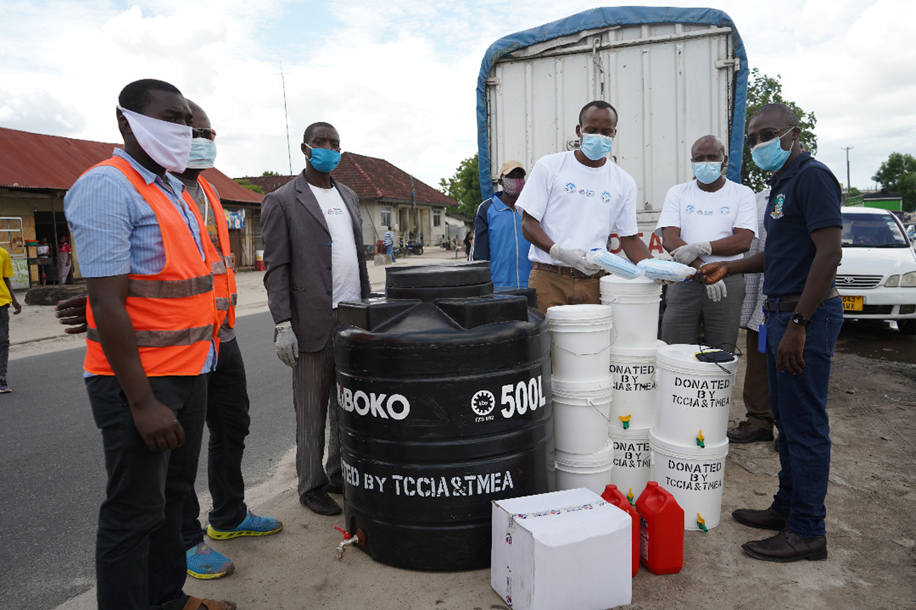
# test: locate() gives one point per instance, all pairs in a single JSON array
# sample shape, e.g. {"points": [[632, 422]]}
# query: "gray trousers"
{"points": [[686, 304], [313, 390]]}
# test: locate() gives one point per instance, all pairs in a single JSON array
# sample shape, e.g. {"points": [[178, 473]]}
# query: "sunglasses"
{"points": [[766, 135], [209, 134]]}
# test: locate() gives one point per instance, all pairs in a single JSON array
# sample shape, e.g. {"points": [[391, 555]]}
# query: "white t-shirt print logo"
{"points": [[334, 211]]}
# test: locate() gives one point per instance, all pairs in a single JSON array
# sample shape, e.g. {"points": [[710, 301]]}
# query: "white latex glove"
{"points": [[287, 344], [574, 257], [716, 292], [688, 253]]}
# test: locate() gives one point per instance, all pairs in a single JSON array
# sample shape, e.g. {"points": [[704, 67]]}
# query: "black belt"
{"points": [[790, 301]]}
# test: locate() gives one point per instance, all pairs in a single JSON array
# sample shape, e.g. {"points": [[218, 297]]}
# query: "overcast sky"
{"points": [[397, 77]]}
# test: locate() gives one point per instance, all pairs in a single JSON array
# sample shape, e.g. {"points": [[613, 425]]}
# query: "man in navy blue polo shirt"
{"points": [[803, 320]]}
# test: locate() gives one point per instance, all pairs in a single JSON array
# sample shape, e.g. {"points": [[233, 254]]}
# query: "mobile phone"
{"points": [[714, 355]]}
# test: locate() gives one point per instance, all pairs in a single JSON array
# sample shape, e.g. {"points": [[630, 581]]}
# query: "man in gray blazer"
{"points": [[313, 250]]}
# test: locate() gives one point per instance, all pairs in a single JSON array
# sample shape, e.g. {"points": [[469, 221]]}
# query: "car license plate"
{"points": [[853, 303]]}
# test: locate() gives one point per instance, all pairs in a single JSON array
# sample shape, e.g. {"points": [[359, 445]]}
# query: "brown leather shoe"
{"points": [[768, 519], [786, 546], [318, 501], [746, 432], [196, 603]]}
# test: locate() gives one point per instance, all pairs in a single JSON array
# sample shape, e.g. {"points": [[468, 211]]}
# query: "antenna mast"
{"points": [[286, 113]]}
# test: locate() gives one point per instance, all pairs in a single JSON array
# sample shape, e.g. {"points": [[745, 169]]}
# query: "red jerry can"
{"points": [[661, 545], [614, 496]]}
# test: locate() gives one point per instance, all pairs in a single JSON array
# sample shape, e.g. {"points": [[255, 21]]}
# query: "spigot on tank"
{"points": [[701, 523], [349, 539], [625, 419], [701, 440]]}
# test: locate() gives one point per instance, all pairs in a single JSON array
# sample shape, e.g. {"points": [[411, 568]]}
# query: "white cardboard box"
{"points": [[566, 550]]}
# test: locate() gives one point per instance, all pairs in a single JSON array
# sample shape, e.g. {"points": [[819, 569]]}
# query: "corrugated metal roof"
{"points": [[370, 178], [37, 161]]}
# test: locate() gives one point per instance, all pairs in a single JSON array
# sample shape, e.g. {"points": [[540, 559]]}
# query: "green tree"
{"points": [[248, 185], [464, 186], [763, 90], [898, 174], [270, 173]]}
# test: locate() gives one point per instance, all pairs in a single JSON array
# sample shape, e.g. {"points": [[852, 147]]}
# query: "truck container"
{"points": [[673, 74]]}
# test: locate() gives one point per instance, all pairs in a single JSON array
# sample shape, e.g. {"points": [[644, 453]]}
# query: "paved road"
{"points": [[52, 474]]}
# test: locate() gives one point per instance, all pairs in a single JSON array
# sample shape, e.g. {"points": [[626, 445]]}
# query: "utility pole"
{"points": [[847, 149], [286, 113]]}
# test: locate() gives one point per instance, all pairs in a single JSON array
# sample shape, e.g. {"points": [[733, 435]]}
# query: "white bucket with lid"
{"points": [[580, 414], [635, 305], [580, 336], [591, 471], [633, 370], [694, 397], [632, 461], [694, 476]]}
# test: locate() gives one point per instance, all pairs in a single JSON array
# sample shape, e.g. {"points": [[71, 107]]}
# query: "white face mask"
{"points": [[168, 144]]}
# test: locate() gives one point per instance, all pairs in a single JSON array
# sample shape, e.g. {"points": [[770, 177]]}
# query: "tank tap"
{"points": [[626, 420], [701, 523], [701, 440], [349, 539]]}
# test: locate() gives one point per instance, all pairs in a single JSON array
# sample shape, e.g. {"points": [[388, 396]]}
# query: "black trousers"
{"points": [[140, 556], [228, 422]]}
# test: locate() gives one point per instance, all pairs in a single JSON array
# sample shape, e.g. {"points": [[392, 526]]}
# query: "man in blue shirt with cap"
{"points": [[498, 231]]}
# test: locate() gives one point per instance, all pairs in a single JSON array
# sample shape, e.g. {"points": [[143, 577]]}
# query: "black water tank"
{"points": [[444, 391]]}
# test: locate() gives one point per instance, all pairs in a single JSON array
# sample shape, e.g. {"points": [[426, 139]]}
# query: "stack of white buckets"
{"points": [[582, 390], [629, 408]]}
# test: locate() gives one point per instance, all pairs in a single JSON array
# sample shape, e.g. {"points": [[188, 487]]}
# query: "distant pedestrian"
{"points": [[498, 230], [44, 252], [389, 243], [64, 258], [469, 245], [6, 297]]}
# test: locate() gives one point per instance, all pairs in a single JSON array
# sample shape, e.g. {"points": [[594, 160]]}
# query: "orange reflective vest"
{"points": [[173, 312], [221, 261]]}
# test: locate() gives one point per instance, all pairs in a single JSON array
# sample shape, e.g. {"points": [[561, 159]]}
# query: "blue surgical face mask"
{"points": [[203, 153], [595, 146], [707, 172], [324, 160], [770, 155]]}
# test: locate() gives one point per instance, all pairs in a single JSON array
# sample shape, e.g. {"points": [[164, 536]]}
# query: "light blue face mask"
{"points": [[203, 153], [770, 156], [324, 159], [707, 172], [595, 146]]}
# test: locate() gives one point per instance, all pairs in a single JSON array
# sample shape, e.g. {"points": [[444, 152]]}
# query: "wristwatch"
{"points": [[800, 319]]}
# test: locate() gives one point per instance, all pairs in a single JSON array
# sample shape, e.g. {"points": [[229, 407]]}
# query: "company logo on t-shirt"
{"points": [[724, 210], [570, 187], [606, 197], [690, 209], [334, 211], [777, 209], [586, 192]]}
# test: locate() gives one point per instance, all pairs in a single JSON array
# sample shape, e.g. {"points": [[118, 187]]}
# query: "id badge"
{"points": [[762, 338]]}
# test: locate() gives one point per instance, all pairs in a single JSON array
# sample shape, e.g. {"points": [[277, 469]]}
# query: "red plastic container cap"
{"points": [[614, 496], [661, 545]]}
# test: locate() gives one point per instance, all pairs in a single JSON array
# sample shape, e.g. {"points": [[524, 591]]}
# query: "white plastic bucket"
{"points": [[580, 336], [694, 476], [632, 461], [633, 370], [694, 397], [635, 306], [580, 415], [591, 471]]}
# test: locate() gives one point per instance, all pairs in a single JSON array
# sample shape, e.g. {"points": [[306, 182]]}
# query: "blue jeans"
{"points": [[391, 252], [799, 405]]}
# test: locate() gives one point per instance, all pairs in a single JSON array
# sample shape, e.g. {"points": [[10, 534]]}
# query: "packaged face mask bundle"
{"points": [[667, 271], [612, 263]]}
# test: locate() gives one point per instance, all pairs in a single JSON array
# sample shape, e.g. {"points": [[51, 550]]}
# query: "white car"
{"points": [[877, 278]]}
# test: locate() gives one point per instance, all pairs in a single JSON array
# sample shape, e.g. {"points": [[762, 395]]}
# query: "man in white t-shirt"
{"points": [[703, 221], [313, 250], [571, 203]]}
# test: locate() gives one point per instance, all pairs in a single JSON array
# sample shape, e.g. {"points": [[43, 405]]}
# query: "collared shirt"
{"points": [[807, 197], [389, 238], [116, 231], [752, 307], [498, 239]]}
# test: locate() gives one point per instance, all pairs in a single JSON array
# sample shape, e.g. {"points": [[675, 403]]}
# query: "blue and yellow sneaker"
{"points": [[253, 525], [206, 563]]}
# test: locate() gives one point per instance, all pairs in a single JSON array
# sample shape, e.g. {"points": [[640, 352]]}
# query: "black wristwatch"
{"points": [[800, 319]]}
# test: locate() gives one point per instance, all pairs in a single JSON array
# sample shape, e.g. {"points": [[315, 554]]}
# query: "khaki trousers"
{"points": [[555, 289]]}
